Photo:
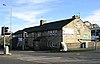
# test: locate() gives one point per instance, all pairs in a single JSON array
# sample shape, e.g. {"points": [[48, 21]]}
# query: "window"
{"points": [[32, 34], [51, 44], [52, 32], [39, 34], [19, 35], [78, 32], [29, 34]]}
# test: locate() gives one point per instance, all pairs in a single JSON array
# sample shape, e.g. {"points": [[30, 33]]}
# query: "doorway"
{"points": [[83, 45]]}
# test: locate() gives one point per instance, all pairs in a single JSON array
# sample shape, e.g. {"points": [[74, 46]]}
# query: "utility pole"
{"points": [[4, 33]]}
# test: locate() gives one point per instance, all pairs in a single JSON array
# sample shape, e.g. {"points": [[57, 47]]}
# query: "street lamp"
{"points": [[95, 39], [10, 31], [11, 27], [10, 17]]}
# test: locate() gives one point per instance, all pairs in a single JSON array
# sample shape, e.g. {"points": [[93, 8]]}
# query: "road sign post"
{"points": [[4, 33]]}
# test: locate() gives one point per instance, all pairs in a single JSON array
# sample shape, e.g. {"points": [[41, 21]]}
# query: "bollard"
{"points": [[6, 50]]}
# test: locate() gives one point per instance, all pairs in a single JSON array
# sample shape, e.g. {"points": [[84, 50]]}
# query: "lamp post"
{"points": [[4, 36], [10, 17], [95, 39], [5, 50], [10, 25], [11, 28]]}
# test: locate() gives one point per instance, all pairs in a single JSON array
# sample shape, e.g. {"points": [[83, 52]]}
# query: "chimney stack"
{"points": [[76, 17], [42, 22]]}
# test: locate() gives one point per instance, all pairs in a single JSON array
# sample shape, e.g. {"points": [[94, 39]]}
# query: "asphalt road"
{"points": [[44, 57]]}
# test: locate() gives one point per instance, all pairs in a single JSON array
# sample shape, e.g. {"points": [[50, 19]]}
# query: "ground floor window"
{"points": [[51, 44]]}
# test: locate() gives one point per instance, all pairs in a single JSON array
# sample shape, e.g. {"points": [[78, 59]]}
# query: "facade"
{"points": [[63, 35], [90, 25], [95, 31], [95, 34]]}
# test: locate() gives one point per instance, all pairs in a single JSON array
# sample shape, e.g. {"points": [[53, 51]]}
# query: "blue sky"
{"points": [[27, 13]]}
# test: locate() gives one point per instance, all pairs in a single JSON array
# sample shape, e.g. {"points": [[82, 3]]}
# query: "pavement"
{"points": [[45, 57]]}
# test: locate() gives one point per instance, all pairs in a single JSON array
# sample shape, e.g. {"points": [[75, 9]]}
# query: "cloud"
{"points": [[28, 16], [16, 27], [32, 1], [28, 12], [94, 17], [24, 16]]}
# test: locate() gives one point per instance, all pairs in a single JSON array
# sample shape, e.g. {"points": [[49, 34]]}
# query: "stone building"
{"points": [[95, 31], [95, 34], [69, 34], [90, 25]]}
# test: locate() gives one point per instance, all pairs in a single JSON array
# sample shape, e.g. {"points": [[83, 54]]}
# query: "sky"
{"points": [[20, 14]]}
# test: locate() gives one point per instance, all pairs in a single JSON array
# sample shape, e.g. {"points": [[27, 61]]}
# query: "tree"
{"points": [[1, 40], [7, 40]]}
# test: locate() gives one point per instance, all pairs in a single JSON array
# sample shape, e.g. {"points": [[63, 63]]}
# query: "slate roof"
{"points": [[18, 32], [48, 26], [97, 28]]}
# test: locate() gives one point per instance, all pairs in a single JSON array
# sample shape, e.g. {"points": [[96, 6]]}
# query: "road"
{"points": [[44, 57]]}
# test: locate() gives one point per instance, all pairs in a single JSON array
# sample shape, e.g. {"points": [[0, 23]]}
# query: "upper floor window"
{"points": [[39, 34], [52, 32], [32, 34], [19, 35], [78, 32]]}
